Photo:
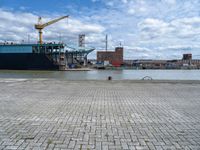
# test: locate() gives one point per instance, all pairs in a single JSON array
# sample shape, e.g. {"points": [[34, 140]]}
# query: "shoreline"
{"points": [[102, 81]]}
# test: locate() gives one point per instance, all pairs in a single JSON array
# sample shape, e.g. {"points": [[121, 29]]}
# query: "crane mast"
{"points": [[41, 26]]}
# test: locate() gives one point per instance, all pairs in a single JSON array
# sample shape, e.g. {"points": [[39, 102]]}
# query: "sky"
{"points": [[147, 29]]}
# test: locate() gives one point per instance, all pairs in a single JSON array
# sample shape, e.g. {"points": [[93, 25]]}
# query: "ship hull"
{"points": [[26, 61]]}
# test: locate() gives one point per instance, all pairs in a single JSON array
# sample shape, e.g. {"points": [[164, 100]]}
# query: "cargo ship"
{"points": [[42, 56], [49, 56], [32, 56], [39, 56]]}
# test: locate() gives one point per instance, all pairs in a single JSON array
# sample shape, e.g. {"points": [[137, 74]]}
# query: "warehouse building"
{"points": [[115, 58]]}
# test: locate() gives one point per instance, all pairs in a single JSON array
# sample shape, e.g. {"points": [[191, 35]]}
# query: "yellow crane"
{"points": [[40, 26]]}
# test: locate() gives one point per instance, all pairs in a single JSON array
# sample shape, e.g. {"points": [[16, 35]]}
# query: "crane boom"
{"points": [[40, 26], [54, 21]]}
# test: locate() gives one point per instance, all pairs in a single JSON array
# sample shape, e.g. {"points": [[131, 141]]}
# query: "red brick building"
{"points": [[114, 57]]}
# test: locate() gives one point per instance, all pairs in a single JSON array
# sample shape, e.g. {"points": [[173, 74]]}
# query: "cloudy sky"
{"points": [[148, 29]]}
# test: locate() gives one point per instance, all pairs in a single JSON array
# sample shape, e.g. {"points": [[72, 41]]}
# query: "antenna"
{"points": [[28, 38], [106, 42], [120, 44], [60, 38]]}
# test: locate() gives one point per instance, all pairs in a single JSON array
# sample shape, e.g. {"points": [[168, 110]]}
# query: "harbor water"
{"points": [[103, 74]]}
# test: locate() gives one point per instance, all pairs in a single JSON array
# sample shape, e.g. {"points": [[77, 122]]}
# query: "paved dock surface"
{"points": [[87, 115]]}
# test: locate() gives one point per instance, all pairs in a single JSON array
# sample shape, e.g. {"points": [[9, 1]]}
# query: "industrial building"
{"points": [[185, 63], [115, 58], [187, 56]]}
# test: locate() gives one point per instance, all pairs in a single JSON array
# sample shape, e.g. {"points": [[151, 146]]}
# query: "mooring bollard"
{"points": [[109, 78]]}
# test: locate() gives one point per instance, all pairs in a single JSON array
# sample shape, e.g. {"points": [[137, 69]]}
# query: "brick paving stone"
{"points": [[100, 115], [11, 147]]}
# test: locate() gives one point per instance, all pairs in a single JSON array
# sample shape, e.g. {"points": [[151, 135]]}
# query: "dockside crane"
{"points": [[40, 26]]}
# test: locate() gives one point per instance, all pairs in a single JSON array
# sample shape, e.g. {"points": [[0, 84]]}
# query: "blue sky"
{"points": [[48, 5], [157, 29]]}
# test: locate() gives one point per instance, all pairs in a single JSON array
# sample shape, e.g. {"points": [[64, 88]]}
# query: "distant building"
{"points": [[114, 57], [150, 64], [81, 40], [185, 63], [187, 56]]}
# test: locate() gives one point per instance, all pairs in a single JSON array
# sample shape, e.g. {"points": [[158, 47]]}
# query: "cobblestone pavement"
{"points": [[86, 115]]}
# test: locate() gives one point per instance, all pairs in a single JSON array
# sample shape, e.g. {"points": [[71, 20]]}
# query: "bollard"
{"points": [[109, 78]]}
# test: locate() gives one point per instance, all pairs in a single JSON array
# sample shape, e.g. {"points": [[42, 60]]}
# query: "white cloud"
{"points": [[16, 26], [182, 28]]}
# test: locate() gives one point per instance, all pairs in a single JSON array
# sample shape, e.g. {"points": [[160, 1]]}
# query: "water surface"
{"points": [[103, 74]]}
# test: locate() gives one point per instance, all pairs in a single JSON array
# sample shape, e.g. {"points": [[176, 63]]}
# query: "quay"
{"points": [[99, 115]]}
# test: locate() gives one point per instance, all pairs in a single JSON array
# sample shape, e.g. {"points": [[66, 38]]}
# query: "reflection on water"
{"points": [[103, 74]]}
